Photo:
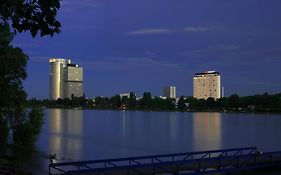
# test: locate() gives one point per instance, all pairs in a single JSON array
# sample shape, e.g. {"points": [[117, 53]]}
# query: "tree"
{"points": [[21, 15], [211, 102], [13, 115], [125, 100], [132, 100], [12, 73], [31, 15], [158, 103], [223, 102], [90, 103], [4, 129], [146, 100], [116, 101], [27, 131], [181, 104], [169, 103], [234, 101]]}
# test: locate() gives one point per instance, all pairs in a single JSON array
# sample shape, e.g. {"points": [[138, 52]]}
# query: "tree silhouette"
{"points": [[31, 15], [18, 16]]}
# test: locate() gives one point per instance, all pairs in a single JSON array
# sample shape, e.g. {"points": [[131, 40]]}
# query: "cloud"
{"points": [[74, 5], [196, 29], [151, 31]]}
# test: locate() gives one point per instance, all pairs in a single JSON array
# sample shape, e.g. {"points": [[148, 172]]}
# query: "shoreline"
{"points": [[259, 111]]}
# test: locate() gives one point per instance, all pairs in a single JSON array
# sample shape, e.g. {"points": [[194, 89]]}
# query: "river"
{"points": [[96, 134]]}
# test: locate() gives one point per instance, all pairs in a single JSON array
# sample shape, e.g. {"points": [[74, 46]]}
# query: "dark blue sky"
{"points": [[144, 45]]}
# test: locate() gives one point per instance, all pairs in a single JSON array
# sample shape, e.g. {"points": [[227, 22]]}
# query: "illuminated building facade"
{"points": [[170, 92], [65, 79], [74, 81], [207, 84]]}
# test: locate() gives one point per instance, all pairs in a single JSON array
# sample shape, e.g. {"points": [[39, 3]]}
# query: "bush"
{"points": [[27, 131]]}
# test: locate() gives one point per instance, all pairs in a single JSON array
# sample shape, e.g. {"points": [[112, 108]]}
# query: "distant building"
{"points": [[65, 79], [125, 95], [170, 92], [207, 84], [163, 97]]}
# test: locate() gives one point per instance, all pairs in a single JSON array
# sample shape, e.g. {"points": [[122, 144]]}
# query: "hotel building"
{"points": [[207, 84]]}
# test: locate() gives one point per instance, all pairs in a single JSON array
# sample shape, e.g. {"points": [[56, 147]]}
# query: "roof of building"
{"points": [[73, 65], [208, 73]]}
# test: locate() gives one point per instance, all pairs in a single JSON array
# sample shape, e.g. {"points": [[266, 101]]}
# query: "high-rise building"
{"points": [[74, 81], [65, 79], [170, 92], [207, 84]]}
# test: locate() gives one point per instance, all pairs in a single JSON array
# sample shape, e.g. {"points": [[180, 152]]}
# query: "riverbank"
{"points": [[9, 165], [256, 111], [16, 159]]}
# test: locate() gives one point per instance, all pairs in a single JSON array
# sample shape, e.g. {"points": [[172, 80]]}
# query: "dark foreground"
{"points": [[10, 166]]}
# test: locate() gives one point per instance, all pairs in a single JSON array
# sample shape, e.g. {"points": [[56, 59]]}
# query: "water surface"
{"points": [[97, 134]]}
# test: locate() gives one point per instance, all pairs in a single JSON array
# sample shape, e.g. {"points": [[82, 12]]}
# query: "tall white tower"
{"points": [[57, 77]]}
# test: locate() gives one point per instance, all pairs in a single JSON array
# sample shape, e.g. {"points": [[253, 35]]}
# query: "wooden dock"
{"points": [[203, 162]]}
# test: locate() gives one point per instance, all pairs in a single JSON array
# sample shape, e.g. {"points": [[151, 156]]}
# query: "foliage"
{"points": [[24, 128], [132, 100], [31, 15], [125, 101], [4, 130], [146, 100], [12, 69], [102, 102], [12, 72], [27, 131], [181, 104], [233, 101], [115, 101], [263, 102], [21, 15]]}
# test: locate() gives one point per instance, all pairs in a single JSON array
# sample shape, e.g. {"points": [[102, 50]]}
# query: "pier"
{"points": [[191, 163]]}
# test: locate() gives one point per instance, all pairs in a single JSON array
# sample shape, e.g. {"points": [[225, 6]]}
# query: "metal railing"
{"points": [[154, 162]]}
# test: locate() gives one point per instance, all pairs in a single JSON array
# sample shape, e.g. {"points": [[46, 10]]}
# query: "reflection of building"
{"points": [[170, 92], [65, 79], [207, 85], [207, 131], [66, 129]]}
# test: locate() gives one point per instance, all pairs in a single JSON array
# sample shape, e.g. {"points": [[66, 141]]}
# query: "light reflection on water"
{"points": [[206, 131], [66, 130], [97, 134]]}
